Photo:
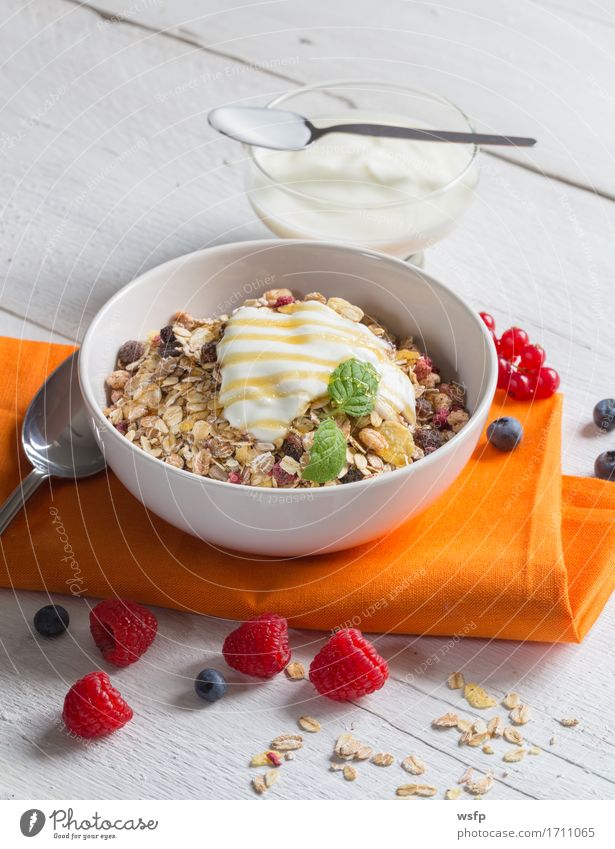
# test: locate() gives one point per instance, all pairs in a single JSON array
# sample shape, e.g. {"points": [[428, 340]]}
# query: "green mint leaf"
{"points": [[327, 455], [353, 387]]}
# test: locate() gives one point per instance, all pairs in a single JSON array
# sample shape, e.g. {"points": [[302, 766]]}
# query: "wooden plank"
{"points": [[177, 746], [525, 68]]}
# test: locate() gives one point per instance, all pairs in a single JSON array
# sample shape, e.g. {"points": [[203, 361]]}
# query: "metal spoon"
{"points": [[281, 130], [56, 437]]}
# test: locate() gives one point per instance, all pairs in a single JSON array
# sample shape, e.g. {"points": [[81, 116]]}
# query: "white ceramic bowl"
{"points": [[291, 522]]}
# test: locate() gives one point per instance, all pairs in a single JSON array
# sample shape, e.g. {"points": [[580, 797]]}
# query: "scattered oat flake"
{"points": [[346, 745], [289, 756], [465, 737], [534, 750], [478, 739], [479, 726], [520, 715], [513, 735], [467, 776], [478, 697], [495, 726], [413, 765], [464, 725], [487, 749], [448, 720], [258, 783], [416, 790], [481, 786], [383, 759], [511, 700], [363, 752], [350, 772], [271, 777], [456, 681], [335, 766], [287, 742], [514, 756], [569, 723], [453, 793], [295, 670], [308, 723]]}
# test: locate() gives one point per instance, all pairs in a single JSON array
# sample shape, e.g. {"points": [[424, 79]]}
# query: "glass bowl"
{"points": [[399, 197]]}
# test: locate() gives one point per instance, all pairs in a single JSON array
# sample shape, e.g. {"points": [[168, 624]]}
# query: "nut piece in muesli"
{"points": [[285, 392]]}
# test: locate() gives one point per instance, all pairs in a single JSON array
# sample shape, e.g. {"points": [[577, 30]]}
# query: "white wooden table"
{"points": [[108, 168]]}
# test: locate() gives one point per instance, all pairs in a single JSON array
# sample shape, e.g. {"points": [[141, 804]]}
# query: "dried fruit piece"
{"points": [[453, 793], [287, 742], [399, 443], [569, 723], [264, 759], [456, 681], [308, 723], [511, 700], [520, 715], [478, 697], [448, 720], [350, 772], [383, 759], [514, 756], [413, 765], [295, 670], [513, 735]]}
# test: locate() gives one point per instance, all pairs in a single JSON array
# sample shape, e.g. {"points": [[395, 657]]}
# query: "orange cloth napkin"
{"points": [[512, 550]]}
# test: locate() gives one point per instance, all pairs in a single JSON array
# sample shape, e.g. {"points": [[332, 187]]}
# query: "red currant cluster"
{"points": [[521, 369]]}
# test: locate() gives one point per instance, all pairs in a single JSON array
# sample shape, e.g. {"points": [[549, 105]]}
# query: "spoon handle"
{"points": [[422, 135], [19, 496]]}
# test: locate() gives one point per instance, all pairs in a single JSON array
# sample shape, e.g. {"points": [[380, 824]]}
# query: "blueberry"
{"points": [[604, 414], [604, 467], [51, 621], [505, 433], [210, 685]]}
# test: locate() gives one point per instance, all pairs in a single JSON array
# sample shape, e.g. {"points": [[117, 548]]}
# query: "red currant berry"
{"points": [[504, 373], [547, 383], [532, 357], [488, 319], [512, 341], [519, 386]]}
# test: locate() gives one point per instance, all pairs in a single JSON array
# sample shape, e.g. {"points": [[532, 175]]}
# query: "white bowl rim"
{"points": [[266, 244]]}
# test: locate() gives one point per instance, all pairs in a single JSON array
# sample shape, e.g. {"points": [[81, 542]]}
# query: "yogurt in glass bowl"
{"points": [[393, 195]]}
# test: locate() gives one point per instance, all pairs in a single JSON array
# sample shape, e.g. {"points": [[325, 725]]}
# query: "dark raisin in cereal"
{"points": [[429, 440], [166, 334], [352, 476], [293, 446], [130, 352], [209, 353]]}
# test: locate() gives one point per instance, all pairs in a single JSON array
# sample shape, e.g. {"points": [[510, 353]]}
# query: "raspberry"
{"points": [[259, 647], [234, 477], [122, 630], [423, 368], [348, 667], [284, 300], [94, 707]]}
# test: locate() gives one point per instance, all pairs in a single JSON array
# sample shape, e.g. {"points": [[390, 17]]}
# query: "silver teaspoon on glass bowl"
{"points": [[56, 438], [280, 129]]}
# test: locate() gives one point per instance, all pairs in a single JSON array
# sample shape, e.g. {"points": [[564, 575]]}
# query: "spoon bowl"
{"points": [[56, 437]]}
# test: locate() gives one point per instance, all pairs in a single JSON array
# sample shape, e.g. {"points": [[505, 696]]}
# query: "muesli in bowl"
{"points": [[284, 392]]}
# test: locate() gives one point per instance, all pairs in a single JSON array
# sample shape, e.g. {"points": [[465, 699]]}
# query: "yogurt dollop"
{"points": [[274, 364]]}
